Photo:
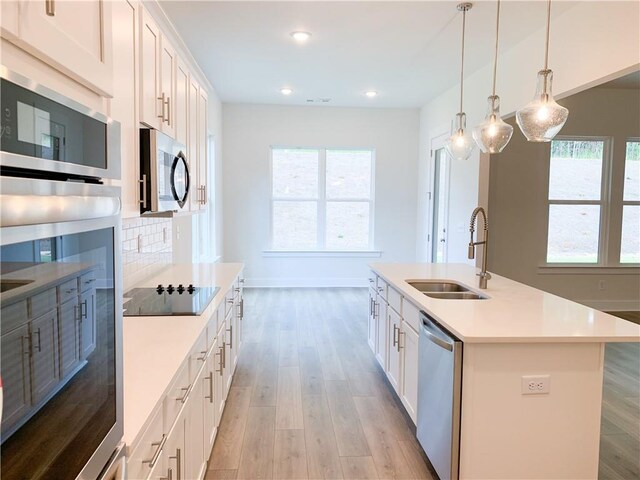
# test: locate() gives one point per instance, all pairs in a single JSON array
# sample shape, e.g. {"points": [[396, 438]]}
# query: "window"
{"points": [[575, 201], [585, 221], [630, 240], [321, 199]]}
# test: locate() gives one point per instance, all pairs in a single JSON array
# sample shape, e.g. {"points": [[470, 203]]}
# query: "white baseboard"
{"points": [[326, 282], [613, 305]]}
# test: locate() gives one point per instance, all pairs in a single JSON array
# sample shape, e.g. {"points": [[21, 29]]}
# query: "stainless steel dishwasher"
{"points": [[439, 396]]}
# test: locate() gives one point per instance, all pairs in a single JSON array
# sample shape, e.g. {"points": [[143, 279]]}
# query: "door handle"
{"points": [[220, 364], [168, 120], [84, 311], [395, 342], [144, 190], [162, 103], [230, 330], [178, 458], [152, 461], [210, 396], [186, 394], [37, 332]]}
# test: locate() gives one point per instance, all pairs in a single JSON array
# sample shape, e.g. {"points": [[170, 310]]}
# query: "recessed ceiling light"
{"points": [[371, 93], [300, 36], [286, 91]]}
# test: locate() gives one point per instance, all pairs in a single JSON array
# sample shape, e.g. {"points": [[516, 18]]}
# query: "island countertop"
{"points": [[512, 313]]}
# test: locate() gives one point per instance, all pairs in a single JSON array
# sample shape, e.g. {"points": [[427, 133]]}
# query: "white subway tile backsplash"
{"points": [[156, 250]]}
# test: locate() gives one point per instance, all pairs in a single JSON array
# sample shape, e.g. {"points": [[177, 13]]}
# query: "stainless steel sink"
{"points": [[445, 289], [456, 295], [11, 284]]}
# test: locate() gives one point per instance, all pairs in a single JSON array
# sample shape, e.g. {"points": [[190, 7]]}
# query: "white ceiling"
{"points": [[407, 51]]}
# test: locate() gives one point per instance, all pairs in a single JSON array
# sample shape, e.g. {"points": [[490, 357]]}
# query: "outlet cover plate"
{"points": [[535, 384]]}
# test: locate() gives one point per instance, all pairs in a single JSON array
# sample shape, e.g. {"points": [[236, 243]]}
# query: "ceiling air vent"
{"points": [[318, 100]]}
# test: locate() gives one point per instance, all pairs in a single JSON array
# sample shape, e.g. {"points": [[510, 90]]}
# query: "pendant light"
{"points": [[493, 134], [460, 144], [542, 118]]}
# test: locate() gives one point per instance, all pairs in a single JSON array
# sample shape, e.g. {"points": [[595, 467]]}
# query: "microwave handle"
{"points": [[144, 190]]}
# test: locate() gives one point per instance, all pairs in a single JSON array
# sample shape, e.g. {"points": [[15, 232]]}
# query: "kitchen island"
{"points": [[516, 332]]}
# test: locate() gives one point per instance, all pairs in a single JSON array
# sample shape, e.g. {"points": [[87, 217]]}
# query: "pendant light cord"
{"points": [[464, 17], [546, 50], [495, 61]]}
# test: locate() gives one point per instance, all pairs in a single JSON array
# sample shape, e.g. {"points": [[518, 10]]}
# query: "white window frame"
{"points": [[322, 201], [626, 202], [608, 252]]}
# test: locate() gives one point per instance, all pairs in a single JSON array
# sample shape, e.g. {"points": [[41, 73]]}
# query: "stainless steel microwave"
{"points": [[164, 173], [42, 130]]}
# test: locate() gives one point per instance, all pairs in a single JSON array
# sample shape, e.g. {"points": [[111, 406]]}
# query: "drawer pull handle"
{"points": [[203, 356], [152, 461], [230, 330], [395, 342], [162, 104], [37, 332], [178, 458], [186, 394], [210, 396]]}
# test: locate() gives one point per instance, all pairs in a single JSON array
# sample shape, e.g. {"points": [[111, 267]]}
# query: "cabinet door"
{"points": [[372, 322], [192, 146], [150, 96], [194, 458], [181, 117], [168, 62], [75, 37], [174, 449], [87, 313], [124, 101], [409, 341], [15, 376], [381, 338], [203, 150], [210, 400], [69, 338], [44, 362], [393, 359]]}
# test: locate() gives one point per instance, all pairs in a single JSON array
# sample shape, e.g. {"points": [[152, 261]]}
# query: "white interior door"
{"points": [[439, 206]]}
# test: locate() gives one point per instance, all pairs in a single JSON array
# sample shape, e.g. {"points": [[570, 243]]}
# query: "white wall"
{"points": [[518, 204], [590, 43], [250, 130]]}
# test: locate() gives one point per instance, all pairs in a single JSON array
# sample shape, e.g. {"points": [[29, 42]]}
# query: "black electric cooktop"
{"points": [[168, 300]]}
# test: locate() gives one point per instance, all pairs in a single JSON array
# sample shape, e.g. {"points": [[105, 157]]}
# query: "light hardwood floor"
{"points": [[309, 401]]}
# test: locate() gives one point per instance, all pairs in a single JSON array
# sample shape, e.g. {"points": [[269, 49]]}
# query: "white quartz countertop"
{"points": [[155, 347], [513, 313]]}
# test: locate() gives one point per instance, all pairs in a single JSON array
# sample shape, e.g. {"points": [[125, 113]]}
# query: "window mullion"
{"points": [[322, 199]]}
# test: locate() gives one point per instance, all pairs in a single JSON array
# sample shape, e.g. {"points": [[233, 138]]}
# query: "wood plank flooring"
{"points": [[309, 401]]}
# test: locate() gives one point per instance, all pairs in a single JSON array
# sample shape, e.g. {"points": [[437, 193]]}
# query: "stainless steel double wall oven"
{"points": [[60, 282]]}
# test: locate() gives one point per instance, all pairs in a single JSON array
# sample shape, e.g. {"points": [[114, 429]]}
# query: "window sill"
{"points": [[582, 269], [322, 253]]}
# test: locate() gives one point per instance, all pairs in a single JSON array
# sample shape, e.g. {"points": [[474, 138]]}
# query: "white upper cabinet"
{"points": [[150, 105], [74, 37], [181, 117]]}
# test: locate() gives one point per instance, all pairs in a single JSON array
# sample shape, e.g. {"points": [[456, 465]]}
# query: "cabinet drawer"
{"points": [[14, 315], [394, 299], [382, 287], [43, 302], [198, 356], [411, 315], [176, 396], [87, 281], [68, 290], [149, 447]]}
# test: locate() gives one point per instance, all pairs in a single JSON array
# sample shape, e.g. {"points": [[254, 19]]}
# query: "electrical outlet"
{"points": [[601, 285], [535, 384]]}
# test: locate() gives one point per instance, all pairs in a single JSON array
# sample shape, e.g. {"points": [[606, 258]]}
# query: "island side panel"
{"points": [[508, 435]]}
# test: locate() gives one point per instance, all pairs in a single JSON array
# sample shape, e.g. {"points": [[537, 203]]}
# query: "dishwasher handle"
{"points": [[435, 334]]}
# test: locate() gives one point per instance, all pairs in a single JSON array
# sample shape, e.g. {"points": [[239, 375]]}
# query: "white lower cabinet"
{"points": [[393, 360], [179, 437], [394, 339], [409, 341]]}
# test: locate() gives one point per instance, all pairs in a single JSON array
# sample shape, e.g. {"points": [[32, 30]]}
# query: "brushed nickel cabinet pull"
{"points": [[220, 363], [186, 394], [144, 190], [50, 7], [203, 356], [224, 354], [162, 103], [152, 461], [230, 330], [178, 458], [210, 378], [242, 308], [37, 332], [84, 311], [168, 104], [399, 344], [395, 342]]}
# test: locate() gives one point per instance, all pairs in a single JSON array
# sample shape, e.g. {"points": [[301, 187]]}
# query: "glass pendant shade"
{"points": [[493, 134], [460, 144], [542, 118]]}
